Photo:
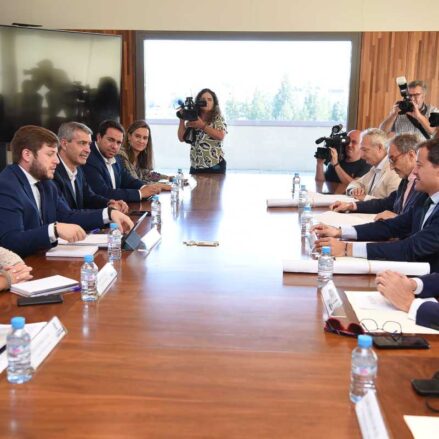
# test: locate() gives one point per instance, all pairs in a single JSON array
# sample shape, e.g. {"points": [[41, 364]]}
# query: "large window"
{"points": [[289, 89]]}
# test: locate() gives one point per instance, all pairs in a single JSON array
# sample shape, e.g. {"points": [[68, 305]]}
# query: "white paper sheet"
{"points": [[337, 219], [372, 305], [316, 200], [347, 265], [94, 239], [423, 427], [71, 251], [45, 285]]}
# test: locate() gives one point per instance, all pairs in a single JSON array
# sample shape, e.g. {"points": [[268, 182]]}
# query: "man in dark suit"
{"points": [[74, 149], [402, 159], [417, 230], [32, 213], [105, 172], [414, 296]]}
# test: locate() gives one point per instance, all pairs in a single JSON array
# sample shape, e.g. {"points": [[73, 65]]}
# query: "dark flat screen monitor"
{"points": [[49, 77]]}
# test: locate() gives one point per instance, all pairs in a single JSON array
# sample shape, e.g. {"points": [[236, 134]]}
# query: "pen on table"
{"points": [[95, 231], [2, 349]]}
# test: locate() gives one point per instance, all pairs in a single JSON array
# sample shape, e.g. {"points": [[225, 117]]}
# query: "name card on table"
{"points": [[369, 417], [151, 239], [106, 276], [331, 298]]}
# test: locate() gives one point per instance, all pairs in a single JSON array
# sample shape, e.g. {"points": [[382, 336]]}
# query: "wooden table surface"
{"points": [[200, 342]]}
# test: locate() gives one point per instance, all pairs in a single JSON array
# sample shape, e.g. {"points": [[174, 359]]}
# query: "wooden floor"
{"points": [[196, 342]]}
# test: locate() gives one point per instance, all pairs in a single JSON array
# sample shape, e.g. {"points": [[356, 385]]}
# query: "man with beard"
{"points": [[32, 213]]}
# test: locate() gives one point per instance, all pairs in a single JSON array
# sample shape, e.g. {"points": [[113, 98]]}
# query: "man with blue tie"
{"points": [[105, 172], [402, 159], [414, 296], [417, 230], [74, 149], [32, 213]]}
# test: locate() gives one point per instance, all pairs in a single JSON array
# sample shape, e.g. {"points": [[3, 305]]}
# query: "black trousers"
{"points": [[220, 168]]}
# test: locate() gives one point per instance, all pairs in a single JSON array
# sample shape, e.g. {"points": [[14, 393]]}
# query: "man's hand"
{"points": [[149, 190], [322, 230], [340, 206], [70, 232], [359, 193], [387, 214], [124, 222], [334, 156], [415, 113], [164, 186], [118, 205], [396, 288], [337, 246], [19, 273], [395, 109]]}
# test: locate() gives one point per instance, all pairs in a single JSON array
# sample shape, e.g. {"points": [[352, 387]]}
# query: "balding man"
{"points": [[346, 170]]}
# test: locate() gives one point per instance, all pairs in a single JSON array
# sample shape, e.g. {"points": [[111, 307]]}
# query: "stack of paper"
{"points": [[44, 286], [316, 200], [345, 265], [337, 219], [99, 240], [71, 251]]}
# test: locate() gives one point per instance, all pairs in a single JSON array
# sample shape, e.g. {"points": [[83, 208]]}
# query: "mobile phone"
{"points": [[40, 300], [426, 387], [400, 342], [140, 212]]}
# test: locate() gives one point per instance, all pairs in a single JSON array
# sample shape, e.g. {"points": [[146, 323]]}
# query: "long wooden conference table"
{"points": [[199, 342]]}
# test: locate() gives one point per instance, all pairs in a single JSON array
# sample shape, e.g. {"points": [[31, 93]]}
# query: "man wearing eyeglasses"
{"points": [[415, 121], [402, 159], [106, 174], [414, 296]]}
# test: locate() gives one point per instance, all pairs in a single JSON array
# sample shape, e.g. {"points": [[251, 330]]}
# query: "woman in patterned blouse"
{"points": [[137, 154], [206, 136]]}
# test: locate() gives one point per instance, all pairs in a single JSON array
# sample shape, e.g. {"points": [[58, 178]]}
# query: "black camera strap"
{"points": [[415, 122]]}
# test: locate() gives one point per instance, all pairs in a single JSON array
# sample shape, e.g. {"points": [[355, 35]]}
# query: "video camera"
{"points": [[406, 104], [337, 139], [190, 110], [434, 120]]}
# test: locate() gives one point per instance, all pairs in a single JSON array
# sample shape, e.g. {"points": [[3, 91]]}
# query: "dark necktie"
{"points": [[40, 188], [78, 195], [427, 203]]}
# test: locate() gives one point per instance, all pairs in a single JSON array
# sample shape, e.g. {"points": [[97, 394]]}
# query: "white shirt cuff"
{"points": [[415, 306], [348, 232], [359, 250], [419, 286], [51, 231], [105, 218]]}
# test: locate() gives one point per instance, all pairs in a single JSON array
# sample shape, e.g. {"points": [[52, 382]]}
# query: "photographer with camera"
{"points": [[347, 168], [204, 128], [410, 115]]}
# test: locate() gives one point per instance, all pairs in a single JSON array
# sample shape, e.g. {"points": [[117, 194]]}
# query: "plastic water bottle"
{"points": [[19, 355], [174, 191], [326, 267], [89, 275], [180, 179], [156, 211], [114, 243], [306, 221], [296, 185], [303, 196], [364, 368]]}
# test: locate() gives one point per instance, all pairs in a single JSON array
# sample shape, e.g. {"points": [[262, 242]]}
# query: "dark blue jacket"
{"points": [[413, 244], [85, 198], [21, 228], [393, 202], [98, 177], [428, 312]]}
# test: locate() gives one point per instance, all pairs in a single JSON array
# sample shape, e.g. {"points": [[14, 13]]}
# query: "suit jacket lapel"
{"points": [[101, 159], [26, 186], [60, 168]]}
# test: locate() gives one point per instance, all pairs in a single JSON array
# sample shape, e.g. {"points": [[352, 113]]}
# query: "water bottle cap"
{"points": [[326, 250], [303, 187], [88, 258], [307, 208], [296, 174], [364, 341], [113, 226], [18, 322], [155, 198], [179, 170]]}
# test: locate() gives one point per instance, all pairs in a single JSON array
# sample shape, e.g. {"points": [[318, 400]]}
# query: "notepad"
{"points": [[46, 285], [314, 198], [71, 251], [94, 239]]}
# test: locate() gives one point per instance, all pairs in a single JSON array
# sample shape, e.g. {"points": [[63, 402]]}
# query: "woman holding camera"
{"points": [[137, 154], [206, 135]]}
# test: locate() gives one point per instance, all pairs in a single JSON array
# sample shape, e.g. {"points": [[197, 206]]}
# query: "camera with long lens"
{"points": [[434, 120], [338, 139], [405, 105], [190, 110]]}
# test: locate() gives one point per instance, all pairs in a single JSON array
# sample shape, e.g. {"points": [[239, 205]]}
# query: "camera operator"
{"points": [[206, 135], [415, 121], [346, 170]]}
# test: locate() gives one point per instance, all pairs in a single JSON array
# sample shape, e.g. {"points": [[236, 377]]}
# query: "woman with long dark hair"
{"points": [[207, 135]]}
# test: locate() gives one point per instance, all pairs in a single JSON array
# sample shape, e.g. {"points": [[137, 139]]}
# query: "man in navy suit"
{"points": [[414, 296], [417, 230], [74, 149], [105, 172], [402, 159], [32, 213]]}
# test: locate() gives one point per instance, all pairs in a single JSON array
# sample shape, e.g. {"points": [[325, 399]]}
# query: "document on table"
{"points": [[348, 265], [44, 286], [71, 251], [316, 200], [423, 427], [337, 219], [93, 239], [372, 305]]}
